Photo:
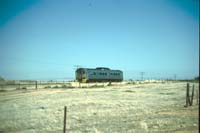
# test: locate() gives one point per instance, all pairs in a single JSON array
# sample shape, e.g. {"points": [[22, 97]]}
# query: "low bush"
{"points": [[66, 86], [132, 83], [56, 86], [2, 90], [109, 84], [130, 91], [24, 88], [47, 87]]}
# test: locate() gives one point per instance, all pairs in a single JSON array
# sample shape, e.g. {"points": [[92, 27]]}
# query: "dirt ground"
{"points": [[132, 108]]}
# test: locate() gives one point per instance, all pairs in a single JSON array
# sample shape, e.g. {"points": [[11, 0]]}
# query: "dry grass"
{"points": [[128, 108]]}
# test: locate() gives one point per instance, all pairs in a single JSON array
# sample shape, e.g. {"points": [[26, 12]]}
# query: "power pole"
{"points": [[175, 77], [142, 73]]}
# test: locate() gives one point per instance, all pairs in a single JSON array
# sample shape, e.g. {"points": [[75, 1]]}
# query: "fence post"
{"points": [[191, 102], [187, 95], [198, 96], [36, 85], [65, 116]]}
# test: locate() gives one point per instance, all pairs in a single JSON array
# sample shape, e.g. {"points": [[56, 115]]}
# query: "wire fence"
{"points": [[30, 85], [34, 85]]}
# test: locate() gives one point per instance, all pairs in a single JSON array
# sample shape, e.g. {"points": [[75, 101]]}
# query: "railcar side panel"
{"points": [[98, 75]]}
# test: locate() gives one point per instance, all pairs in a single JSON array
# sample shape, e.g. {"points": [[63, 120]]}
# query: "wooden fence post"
{"points": [[36, 85], [198, 96], [65, 116], [187, 94], [191, 102]]}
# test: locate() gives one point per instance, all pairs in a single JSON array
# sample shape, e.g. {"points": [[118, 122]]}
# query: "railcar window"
{"points": [[102, 73], [115, 74]]}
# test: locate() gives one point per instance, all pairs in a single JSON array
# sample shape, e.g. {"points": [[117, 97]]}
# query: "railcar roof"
{"points": [[97, 69]]}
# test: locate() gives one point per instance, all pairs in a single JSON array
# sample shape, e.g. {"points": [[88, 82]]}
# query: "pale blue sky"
{"points": [[44, 39]]}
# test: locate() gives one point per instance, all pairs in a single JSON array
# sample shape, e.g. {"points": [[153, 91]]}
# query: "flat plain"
{"points": [[127, 108]]}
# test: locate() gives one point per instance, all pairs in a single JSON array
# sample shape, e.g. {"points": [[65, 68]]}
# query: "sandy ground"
{"points": [[155, 107]]}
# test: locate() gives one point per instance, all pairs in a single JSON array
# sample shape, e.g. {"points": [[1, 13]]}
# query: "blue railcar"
{"points": [[99, 74]]}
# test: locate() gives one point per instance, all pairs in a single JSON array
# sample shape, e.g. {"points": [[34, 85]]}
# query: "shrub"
{"points": [[56, 86], [65, 86], [129, 91], [24, 88], [109, 84], [132, 82], [47, 87]]}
